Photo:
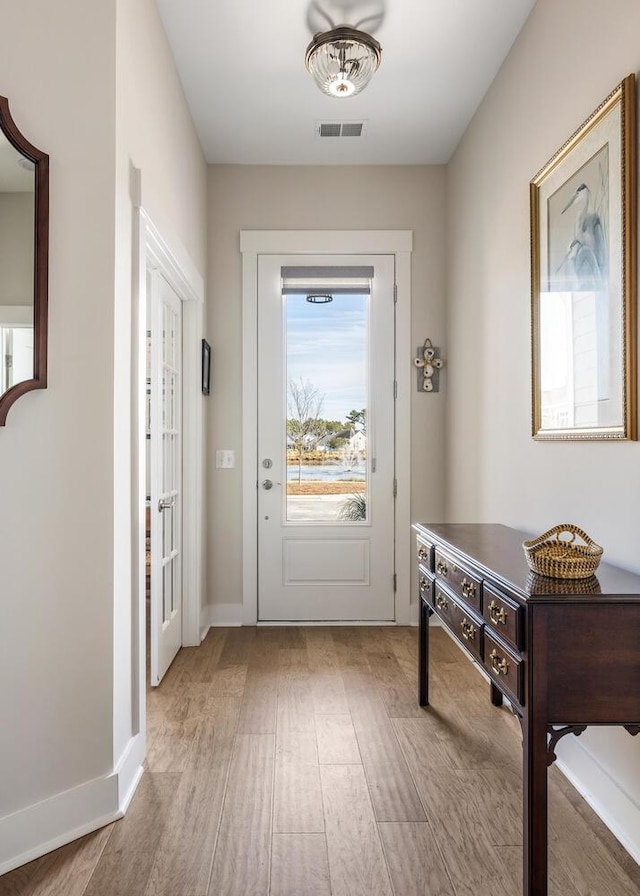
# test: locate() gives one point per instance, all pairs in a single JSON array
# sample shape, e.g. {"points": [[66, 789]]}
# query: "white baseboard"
{"points": [[129, 770], [230, 616], [222, 615], [325, 623], [31, 832], [617, 809]]}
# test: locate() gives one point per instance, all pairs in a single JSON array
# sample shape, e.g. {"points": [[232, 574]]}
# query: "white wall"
{"points": [[56, 449], [311, 198], [16, 248], [98, 95], [567, 59], [155, 134]]}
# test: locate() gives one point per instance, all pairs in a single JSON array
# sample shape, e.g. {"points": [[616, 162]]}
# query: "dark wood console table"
{"points": [[566, 654]]}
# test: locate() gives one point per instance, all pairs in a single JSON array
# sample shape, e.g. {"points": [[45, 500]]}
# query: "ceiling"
{"points": [[253, 102]]}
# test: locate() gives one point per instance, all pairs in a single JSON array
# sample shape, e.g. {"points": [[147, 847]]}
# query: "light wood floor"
{"points": [[291, 761]]}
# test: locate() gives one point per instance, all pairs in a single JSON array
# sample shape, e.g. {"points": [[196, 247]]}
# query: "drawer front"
{"points": [[466, 627], [503, 616], [425, 585], [424, 553], [460, 580], [503, 667]]}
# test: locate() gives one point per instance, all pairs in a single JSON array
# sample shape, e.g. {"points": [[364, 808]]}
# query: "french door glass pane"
{"points": [[167, 591], [327, 363]]}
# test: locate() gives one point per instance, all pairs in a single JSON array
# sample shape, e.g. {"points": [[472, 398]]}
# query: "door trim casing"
{"points": [[190, 290], [253, 243], [151, 248]]}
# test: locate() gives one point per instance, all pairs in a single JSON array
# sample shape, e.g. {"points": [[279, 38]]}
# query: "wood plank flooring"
{"points": [[296, 762]]}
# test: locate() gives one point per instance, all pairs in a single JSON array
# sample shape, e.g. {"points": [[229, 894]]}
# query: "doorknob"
{"points": [[267, 483]]}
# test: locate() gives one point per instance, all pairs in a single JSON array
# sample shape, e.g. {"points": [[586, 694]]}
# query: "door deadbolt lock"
{"points": [[267, 463]]}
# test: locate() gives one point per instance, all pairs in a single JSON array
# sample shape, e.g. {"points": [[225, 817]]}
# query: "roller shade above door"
{"points": [[332, 279]]}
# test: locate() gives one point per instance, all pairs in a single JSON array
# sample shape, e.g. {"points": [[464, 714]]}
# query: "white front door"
{"points": [[166, 476], [325, 478]]}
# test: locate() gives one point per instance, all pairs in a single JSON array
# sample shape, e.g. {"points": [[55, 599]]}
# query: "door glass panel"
{"points": [[166, 533], [175, 566], [167, 591], [327, 363]]}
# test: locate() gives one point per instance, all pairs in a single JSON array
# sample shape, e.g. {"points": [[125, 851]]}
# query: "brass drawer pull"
{"points": [[501, 666], [441, 568], [468, 589], [497, 616], [424, 584], [441, 602], [468, 630], [422, 554]]}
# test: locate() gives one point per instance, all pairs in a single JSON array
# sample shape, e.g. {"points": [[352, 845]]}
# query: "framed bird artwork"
{"points": [[583, 279]]}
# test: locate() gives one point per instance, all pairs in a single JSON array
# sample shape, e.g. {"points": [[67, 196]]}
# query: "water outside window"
{"points": [[327, 347]]}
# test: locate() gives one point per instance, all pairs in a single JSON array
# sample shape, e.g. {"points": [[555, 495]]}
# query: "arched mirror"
{"points": [[24, 251]]}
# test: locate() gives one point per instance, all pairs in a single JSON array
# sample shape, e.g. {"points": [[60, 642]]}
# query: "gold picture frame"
{"points": [[583, 279]]}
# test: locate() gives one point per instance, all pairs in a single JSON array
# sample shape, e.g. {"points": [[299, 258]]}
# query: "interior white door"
{"points": [[325, 480], [166, 476]]}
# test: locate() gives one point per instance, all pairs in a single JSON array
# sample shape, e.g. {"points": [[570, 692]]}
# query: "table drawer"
{"points": [[424, 552], [460, 580], [466, 627], [504, 667], [503, 616]]}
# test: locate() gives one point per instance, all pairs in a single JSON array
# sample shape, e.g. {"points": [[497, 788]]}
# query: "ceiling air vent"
{"points": [[352, 129], [341, 128]]}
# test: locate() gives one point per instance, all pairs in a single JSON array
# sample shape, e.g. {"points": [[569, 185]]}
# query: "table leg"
{"points": [[534, 779], [423, 654]]}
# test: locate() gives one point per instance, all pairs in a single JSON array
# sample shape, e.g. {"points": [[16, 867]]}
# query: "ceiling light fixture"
{"points": [[342, 61]]}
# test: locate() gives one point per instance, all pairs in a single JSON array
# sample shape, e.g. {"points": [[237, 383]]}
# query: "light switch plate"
{"points": [[225, 459]]}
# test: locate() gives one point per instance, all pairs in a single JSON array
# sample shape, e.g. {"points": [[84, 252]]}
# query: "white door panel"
{"points": [[317, 561], [313, 563], [166, 476]]}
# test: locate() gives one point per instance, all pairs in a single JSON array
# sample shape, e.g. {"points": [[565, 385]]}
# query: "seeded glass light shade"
{"points": [[342, 61]]}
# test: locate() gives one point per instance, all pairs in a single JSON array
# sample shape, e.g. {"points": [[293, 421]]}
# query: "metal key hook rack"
{"points": [[428, 364]]}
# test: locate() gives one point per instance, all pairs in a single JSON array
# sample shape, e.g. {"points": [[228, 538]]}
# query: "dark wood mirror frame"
{"points": [[40, 260]]}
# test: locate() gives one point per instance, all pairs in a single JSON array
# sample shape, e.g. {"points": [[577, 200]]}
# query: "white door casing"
{"points": [[398, 244], [166, 476], [312, 566], [363, 242], [157, 249]]}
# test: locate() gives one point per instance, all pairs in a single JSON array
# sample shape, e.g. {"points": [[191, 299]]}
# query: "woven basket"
{"points": [[561, 558]]}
